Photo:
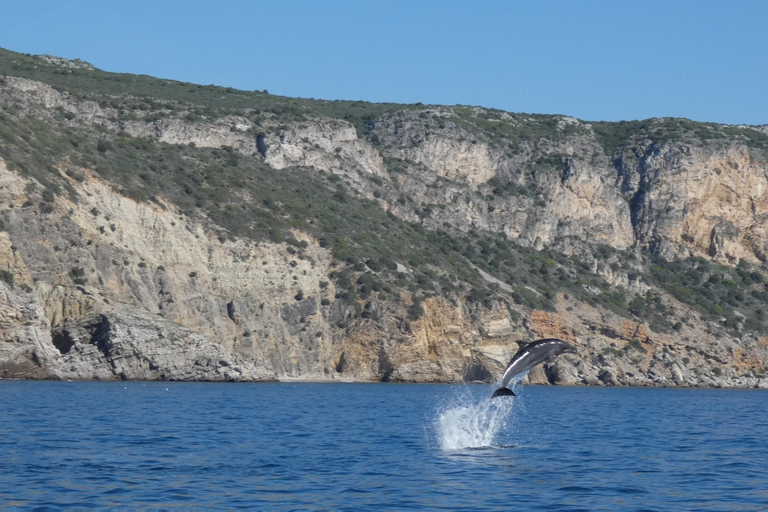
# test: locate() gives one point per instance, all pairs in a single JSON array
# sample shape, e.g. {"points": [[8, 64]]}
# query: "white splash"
{"points": [[471, 422]]}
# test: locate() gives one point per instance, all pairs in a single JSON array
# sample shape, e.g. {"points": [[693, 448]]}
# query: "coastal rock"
{"points": [[131, 345]]}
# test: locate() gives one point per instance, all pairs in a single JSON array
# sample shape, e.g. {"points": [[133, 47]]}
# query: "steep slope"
{"points": [[155, 229]]}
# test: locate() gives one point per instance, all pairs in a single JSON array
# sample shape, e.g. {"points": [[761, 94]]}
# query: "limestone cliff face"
{"points": [[704, 201], [451, 153], [228, 131], [106, 287], [129, 255], [326, 144], [41, 100], [678, 199]]}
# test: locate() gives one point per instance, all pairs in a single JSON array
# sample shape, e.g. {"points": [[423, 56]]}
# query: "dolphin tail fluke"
{"points": [[503, 392]]}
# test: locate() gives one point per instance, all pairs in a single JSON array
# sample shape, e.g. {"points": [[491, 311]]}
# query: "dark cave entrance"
{"points": [[63, 341]]}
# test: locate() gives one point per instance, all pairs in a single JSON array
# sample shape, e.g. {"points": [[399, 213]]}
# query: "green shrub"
{"points": [[78, 275], [415, 310], [7, 277]]}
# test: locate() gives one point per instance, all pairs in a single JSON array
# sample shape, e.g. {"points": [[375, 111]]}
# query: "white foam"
{"points": [[470, 422]]}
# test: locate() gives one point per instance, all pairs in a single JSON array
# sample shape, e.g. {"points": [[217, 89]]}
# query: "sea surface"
{"points": [[289, 446]]}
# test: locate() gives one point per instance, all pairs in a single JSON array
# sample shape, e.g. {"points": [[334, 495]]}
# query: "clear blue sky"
{"points": [[596, 60]]}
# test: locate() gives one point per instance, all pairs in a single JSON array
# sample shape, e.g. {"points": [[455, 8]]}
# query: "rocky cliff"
{"points": [[158, 230]]}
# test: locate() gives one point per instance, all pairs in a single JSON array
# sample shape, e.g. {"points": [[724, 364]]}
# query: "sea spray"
{"points": [[472, 422]]}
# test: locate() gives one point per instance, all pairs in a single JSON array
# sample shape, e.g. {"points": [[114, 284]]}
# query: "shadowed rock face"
{"points": [[130, 345], [160, 296]]}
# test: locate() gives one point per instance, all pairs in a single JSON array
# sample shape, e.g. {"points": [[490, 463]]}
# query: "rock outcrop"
{"points": [[130, 344]]}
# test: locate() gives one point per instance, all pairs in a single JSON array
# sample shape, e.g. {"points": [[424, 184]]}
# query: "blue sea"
{"points": [[287, 446]]}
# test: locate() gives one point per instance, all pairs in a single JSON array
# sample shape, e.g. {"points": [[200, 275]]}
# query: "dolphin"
{"points": [[529, 355]]}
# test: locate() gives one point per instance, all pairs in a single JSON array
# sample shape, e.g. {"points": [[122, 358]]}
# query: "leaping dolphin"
{"points": [[536, 352]]}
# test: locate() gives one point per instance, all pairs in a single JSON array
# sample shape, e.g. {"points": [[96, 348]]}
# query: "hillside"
{"points": [[154, 229]]}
